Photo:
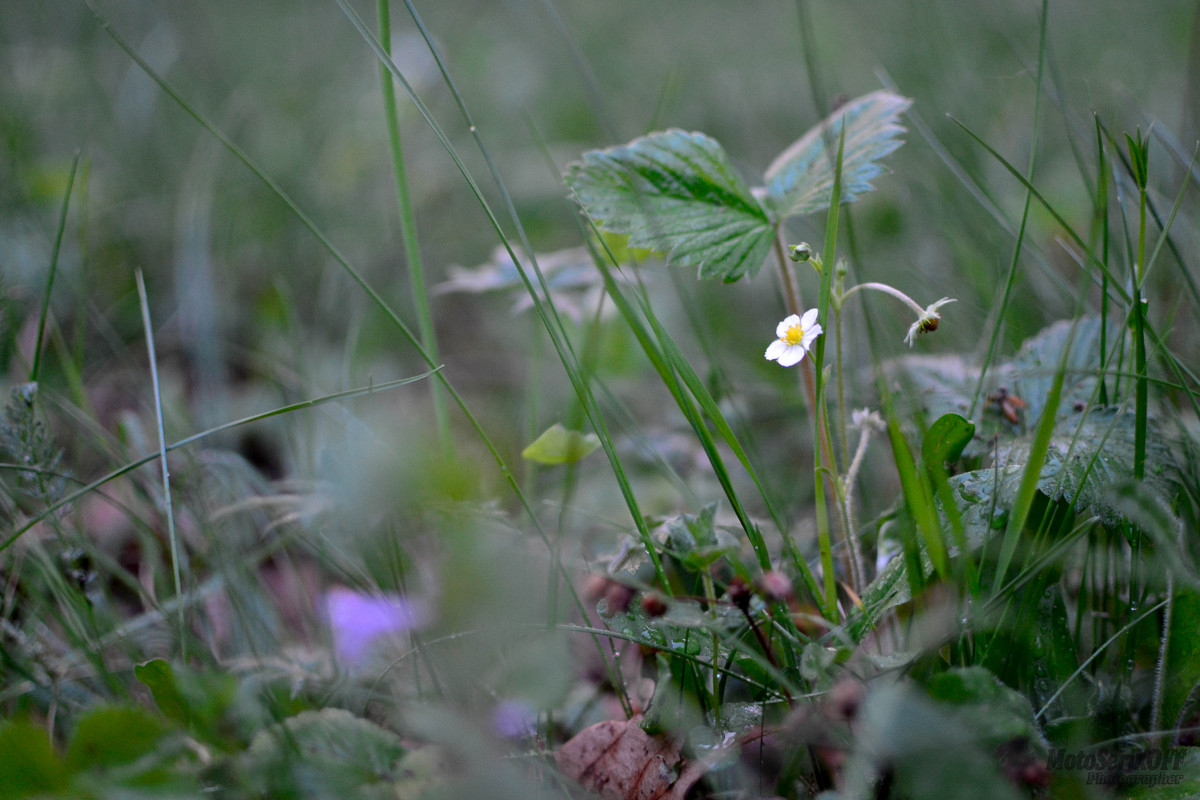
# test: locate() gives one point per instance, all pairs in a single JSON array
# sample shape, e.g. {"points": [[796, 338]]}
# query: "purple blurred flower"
{"points": [[514, 719], [358, 619]]}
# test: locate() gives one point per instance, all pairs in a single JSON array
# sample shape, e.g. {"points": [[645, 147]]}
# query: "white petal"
{"points": [[809, 319], [793, 355], [782, 328], [775, 350], [810, 335]]}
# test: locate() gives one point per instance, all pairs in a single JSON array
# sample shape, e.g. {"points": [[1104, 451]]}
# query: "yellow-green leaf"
{"points": [[557, 445]]}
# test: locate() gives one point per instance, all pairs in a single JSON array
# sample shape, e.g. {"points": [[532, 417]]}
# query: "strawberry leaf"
{"points": [[676, 193], [800, 180]]}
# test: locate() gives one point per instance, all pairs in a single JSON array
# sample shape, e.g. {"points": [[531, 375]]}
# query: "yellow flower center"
{"points": [[794, 336]]}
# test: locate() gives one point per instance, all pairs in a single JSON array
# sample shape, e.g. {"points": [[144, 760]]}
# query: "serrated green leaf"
{"points": [[557, 445], [1091, 449], [1086, 462], [685, 531], [800, 180], [676, 193], [1033, 368], [697, 542], [934, 386], [1087, 458]]}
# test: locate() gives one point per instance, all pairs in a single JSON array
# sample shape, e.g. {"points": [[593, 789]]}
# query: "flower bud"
{"points": [[653, 604], [801, 252], [775, 586]]}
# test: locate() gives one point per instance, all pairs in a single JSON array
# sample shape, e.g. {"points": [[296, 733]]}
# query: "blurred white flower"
{"points": [[865, 418], [796, 335]]}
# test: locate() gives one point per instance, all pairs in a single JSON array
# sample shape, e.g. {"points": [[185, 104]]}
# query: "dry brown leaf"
{"points": [[620, 761]]}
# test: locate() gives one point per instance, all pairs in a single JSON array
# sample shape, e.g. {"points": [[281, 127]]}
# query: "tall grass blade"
{"points": [[169, 511], [1038, 448], [1164, 236], [672, 367], [408, 222], [1152, 209], [918, 497], [1100, 231], [58, 237], [1139, 154]]}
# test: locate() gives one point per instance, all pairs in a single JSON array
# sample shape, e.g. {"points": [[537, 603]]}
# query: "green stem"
{"points": [[710, 594], [791, 298], [828, 600], [408, 224], [1139, 343], [827, 470]]}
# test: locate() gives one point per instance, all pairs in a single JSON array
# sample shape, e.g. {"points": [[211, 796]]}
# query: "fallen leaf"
{"points": [[557, 445], [620, 761]]}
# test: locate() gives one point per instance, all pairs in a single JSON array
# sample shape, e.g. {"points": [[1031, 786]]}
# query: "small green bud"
{"points": [[801, 252]]}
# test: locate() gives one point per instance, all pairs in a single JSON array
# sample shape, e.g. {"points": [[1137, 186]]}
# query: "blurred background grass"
{"points": [[254, 314]]}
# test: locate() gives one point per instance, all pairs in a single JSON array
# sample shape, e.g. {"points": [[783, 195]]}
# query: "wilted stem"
{"points": [[892, 290]]}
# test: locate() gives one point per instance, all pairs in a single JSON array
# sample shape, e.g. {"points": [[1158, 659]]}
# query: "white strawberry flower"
{"points": [[795, 336]]}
